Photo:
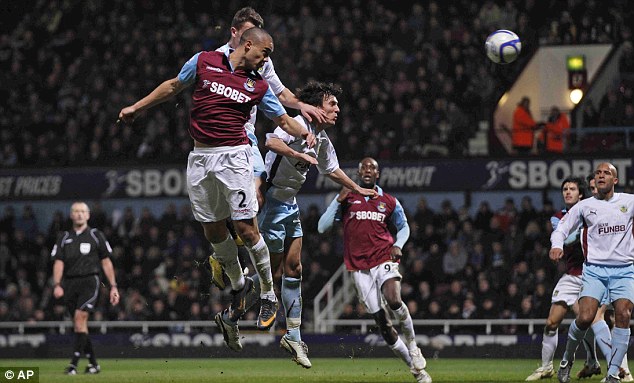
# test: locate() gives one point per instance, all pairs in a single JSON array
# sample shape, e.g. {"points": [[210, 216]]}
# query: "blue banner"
{"points": [[421, 176]]}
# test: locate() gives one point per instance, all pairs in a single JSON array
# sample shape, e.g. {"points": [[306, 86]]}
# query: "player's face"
{"points": [[330, 105], [605, 178], [236, 33], [258, 54], [593, 186], [79, 214], [368, 172], [571, 194]]}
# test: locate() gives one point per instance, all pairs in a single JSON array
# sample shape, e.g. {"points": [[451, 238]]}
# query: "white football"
{"points": [[503, 47]]}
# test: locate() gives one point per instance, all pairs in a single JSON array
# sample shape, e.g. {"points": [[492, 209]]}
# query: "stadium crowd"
{"points": [[415, 77], [493, 264]]}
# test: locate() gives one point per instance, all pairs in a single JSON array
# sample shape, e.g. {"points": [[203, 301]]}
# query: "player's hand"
{"points": [[343, 194], [114, 295], [127, 114], [310, 138], [367, 192], [58, 291], [555, 254], [311, 112], [396, 253], [306, 158]]}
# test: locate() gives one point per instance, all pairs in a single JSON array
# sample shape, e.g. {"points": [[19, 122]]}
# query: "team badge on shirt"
{"points": [[249, 85], [381, 207], [623, 209], [84, 248]]}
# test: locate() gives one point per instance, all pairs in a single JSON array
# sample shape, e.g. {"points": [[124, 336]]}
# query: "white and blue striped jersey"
{"points": [[606, 238], [287, 175], [267, 72]]}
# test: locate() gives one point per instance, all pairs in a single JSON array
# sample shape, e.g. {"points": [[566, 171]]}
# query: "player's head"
{"points": [[606, 177], [573, 189], [257, 46], [245, 18], [592, 184], [368, 172], [79, 214], [323, 96]]}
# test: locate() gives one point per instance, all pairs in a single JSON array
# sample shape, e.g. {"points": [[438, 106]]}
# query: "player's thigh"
{"points": [[205, 190], [556, 314], [368, 291], [236, 178], [621, 283], [595, 282], [567, 289], [88, 293], [272, 228]]}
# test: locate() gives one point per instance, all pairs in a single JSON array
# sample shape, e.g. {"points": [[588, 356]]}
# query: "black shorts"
{"points": [[81, 293]]}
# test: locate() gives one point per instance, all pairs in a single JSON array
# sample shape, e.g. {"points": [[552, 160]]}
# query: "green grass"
{"points": [[243, 370]]}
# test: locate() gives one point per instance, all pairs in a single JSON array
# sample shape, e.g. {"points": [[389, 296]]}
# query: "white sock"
{"points": [[262, 261], [549, 345], [407, 327], [399, 349], [624, 363], [603, 338], [226, 252]]}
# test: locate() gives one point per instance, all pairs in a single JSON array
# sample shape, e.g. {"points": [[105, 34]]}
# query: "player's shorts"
{"points": [[278, 221], [369, 282], [81, 293], [567, 289], [259, 170], [615, 282], [220, 183]]}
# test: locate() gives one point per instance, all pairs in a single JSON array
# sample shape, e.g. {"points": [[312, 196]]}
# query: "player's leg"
{"points": [[591, 294], [292, 300], [391, 289], [550, 339], [621, 291]]}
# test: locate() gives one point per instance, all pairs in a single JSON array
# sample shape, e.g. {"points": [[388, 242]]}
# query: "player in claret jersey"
{"points": [[219, 170], [372, 257], [608, 246]]}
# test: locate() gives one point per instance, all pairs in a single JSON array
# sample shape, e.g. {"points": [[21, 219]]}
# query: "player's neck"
{"points": [[80, 228], [607, 196]]}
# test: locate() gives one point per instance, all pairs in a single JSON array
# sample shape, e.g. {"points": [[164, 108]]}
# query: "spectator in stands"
{"points": [[555, 131], [524, 127]]}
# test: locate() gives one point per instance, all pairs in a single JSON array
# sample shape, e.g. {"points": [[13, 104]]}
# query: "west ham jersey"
{"points": [[606, 238], [367, 240], [287, 175], [572, 247], [267, 72]]}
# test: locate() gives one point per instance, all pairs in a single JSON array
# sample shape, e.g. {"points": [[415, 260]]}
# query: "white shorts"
{"points": [[220, 183], [368, 284], [567, 289]]}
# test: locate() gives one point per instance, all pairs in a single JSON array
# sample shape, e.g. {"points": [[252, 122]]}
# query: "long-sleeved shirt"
{"points": [[606, 238]]}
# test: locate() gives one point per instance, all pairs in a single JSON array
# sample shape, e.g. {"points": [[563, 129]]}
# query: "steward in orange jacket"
{"points": [[523, 127]]}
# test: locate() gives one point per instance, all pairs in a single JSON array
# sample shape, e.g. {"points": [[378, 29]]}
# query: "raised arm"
{"points": [[160, 94], [278, 146]]}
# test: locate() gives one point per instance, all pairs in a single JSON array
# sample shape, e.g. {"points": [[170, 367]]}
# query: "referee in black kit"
{"points": [[78, 256]]}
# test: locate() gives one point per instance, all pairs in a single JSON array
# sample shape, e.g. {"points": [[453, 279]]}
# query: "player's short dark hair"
{"points": [[315, 92], [254, 34], [247, 14], [589, 178], [581, 185]]}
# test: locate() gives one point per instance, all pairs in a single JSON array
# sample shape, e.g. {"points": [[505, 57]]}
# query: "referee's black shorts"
{"points": [[80, 293]]}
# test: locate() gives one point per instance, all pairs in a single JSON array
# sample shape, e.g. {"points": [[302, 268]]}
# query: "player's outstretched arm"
{"points": [[342, 179], [279, 147], [160, 94], [295, 129]]}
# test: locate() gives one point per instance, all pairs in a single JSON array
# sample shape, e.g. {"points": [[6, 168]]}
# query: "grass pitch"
{"points": [[243, 370]]}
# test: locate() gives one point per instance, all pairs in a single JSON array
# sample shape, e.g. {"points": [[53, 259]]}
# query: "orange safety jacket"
{"points": [[523, 128]]}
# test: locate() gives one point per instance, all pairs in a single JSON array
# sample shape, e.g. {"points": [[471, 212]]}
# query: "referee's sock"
{"points": [[80, 344], [90, 353]]}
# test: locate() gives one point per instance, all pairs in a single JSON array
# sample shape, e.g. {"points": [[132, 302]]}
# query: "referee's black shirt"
{"points": [[81, 252]]}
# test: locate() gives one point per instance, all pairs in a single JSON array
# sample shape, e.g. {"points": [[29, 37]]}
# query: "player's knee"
{"points": [[385, 326], [551, 325], [293, 269], [250, 236]]}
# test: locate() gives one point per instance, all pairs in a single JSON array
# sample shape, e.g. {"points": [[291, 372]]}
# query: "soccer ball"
{"points": [[502, 46]]}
